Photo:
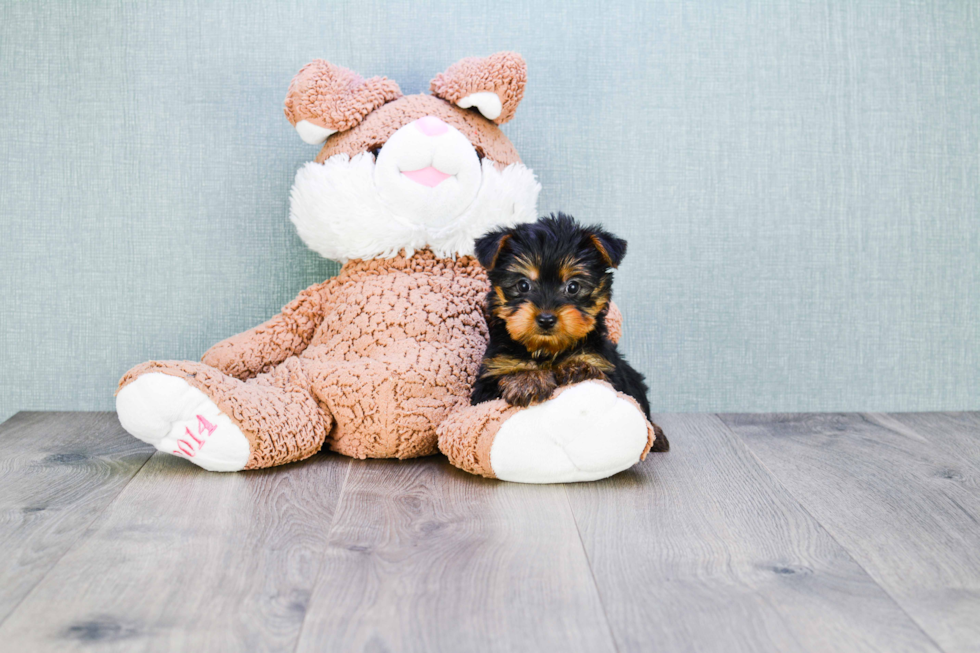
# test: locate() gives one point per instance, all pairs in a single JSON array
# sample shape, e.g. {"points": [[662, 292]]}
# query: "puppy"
{"points": [[550, 289]]}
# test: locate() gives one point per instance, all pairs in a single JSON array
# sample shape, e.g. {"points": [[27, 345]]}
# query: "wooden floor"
{"points": [[837, 532]]}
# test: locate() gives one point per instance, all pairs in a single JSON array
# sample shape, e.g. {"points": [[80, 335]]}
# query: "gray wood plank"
{"points": [[58, 472], [892, 498], [700, 549], [188, 560], [956, 434], [423, 557]]}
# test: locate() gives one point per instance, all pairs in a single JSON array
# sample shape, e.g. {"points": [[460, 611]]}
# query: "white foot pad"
{"points": [[586, 433], [177, 418]]}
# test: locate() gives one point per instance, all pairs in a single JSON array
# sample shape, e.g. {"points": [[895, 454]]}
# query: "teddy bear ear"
{"points": [[494, 84], [324, 98]]}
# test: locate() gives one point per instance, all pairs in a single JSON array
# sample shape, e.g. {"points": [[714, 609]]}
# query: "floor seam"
{"points": [[588, 563], [326, 547]]}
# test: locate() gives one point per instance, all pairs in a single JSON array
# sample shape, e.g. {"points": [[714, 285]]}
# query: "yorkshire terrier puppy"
{"points": [[551, 282]]}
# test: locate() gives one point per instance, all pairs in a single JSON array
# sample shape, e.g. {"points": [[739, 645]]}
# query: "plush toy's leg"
{"points": [[584, 432], [219, 422]]}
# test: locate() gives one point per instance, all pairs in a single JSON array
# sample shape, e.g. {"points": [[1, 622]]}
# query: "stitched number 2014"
{"points": [[190, 445]]}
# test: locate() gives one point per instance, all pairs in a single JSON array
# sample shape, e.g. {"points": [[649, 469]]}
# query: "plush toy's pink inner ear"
{"points": [[324, 98], [493, 85]]}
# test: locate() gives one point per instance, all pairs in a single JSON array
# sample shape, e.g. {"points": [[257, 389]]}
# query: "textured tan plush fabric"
{"points": [[614, 322], [287, 334], [467, 435], [334, 97], [369, 362], [275, 411], [407, 336], [503, 73]]}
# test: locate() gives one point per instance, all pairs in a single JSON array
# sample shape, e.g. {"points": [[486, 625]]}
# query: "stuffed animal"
{"points": [[379, 361]]}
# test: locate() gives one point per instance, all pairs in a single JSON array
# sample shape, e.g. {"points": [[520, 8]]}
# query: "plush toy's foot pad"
{"points": [[177, 418], [585, 433]]}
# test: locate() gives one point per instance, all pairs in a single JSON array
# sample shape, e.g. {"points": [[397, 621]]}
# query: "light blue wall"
{"points": [[799, 182]]}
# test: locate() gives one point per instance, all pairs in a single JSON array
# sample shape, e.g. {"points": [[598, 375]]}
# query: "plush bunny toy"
{"points": [[379, 361]]}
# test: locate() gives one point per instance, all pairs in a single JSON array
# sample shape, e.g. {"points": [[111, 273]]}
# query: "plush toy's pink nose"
{"points": [[431, 126]]}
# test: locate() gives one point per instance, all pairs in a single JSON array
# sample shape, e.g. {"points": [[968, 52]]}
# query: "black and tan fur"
{"points": [[551, 283]]}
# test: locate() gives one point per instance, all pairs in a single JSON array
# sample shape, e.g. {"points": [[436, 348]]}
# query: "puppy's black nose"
{"points": [[546, 320]]}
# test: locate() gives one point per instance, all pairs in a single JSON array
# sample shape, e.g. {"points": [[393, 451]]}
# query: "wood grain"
{"points": [[188, 560], [58, 472], [423, 557], [700, 549], [906, 508], [955, 434]]}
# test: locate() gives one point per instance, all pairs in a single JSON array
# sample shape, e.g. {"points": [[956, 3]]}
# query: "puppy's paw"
{"points": [[660, 444], [576, 370], [526, 388]]}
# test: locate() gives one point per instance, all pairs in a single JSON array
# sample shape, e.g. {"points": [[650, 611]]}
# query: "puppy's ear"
{"points": [[611, 249], [489, 246]]}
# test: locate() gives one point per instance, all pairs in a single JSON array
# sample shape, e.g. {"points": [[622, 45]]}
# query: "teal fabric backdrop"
{"points": [[799, 182]]}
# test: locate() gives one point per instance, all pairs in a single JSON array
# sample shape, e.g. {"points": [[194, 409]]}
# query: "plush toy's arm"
{"points": [[614, 323], [265, 346]]}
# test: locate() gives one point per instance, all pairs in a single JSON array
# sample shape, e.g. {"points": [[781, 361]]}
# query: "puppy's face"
{"points": [[550, 280]]}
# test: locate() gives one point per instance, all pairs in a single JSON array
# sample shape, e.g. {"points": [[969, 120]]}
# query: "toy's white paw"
{"points": [[586, 433], [177, 418]]}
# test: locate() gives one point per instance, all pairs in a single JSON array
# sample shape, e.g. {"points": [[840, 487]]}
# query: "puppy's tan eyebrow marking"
{"points": [[524, 266], [570, 268]]}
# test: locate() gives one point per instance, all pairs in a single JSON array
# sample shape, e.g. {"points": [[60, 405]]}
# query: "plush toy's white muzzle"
{"points": [[428, 172]]}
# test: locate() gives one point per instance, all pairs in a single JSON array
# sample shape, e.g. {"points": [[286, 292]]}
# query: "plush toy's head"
{"points": [[406, 172]]}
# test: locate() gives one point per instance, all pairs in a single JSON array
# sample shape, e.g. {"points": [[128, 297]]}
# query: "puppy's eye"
{"points": [[572, 287], [523, 286]]}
